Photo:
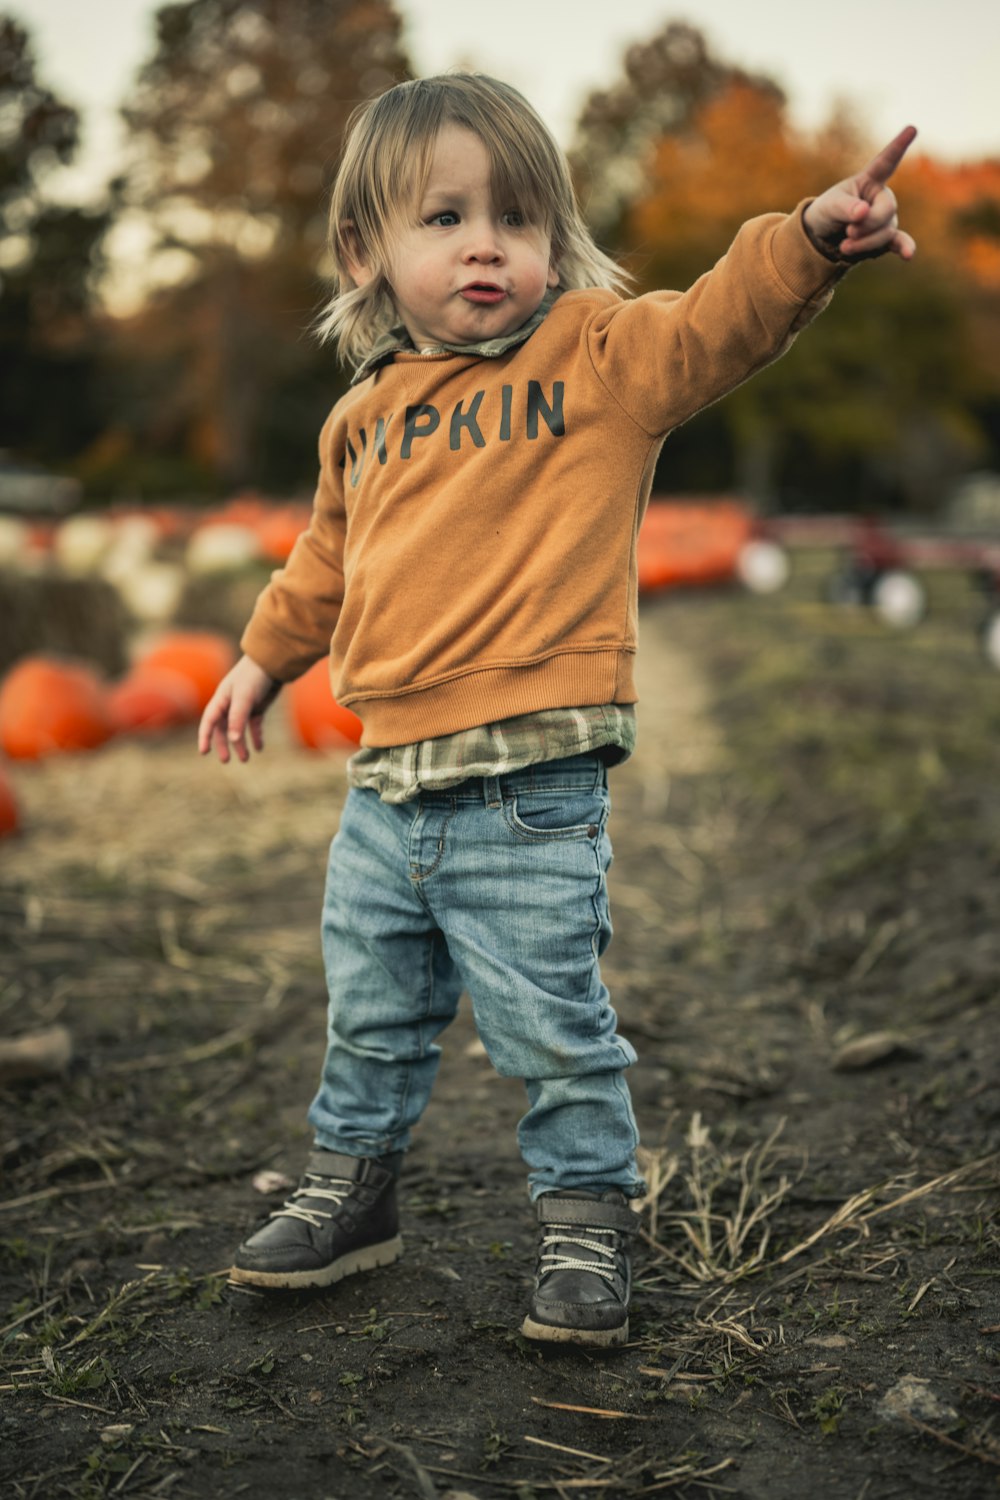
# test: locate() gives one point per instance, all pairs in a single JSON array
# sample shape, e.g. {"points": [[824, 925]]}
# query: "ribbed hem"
{"points": [[572, 680]]}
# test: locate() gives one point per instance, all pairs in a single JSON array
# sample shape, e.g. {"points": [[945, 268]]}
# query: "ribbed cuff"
{"points": [[801, 265]]}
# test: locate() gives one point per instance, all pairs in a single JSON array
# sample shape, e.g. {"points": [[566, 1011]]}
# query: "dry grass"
{"points": [[727, 1204]]}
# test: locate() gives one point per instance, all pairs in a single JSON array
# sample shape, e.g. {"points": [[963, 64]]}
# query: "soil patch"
{"points": [[806, 955]]}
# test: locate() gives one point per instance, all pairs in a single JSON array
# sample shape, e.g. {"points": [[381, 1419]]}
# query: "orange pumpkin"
{"points": [[317, 720], [200, 656], [278, 531], [47, 706], [152, 699], [684, 542], [10, 816]]}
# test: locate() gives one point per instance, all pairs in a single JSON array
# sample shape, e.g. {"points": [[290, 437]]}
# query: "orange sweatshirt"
{"points": [[472, 550]]}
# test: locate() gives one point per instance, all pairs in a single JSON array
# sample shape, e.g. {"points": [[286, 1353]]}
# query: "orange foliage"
{"points": [[953, 212], [739, 159]]}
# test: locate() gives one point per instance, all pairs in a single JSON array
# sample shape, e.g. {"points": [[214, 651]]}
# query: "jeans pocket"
{"points": [[546, 814]]}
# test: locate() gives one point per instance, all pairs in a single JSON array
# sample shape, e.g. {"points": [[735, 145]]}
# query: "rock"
{"points": [[868, 1051], [116, 1433], [271, 1182], [912, 1399], [40, 1054]]}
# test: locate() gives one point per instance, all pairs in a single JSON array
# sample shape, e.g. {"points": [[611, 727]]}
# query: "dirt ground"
{"points": [[806, 955]]}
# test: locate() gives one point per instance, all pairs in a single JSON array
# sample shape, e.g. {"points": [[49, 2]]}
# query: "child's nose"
{"points": [[483, 245]]}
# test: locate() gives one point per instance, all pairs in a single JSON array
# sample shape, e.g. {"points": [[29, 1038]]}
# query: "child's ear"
{"points": [[358, 268], [552, 280]]}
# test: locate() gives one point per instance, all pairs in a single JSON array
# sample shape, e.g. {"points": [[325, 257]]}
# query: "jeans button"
{"points": [[592, 831]]}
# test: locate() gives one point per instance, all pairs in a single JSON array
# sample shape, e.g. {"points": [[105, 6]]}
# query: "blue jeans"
{"points": [[497, 886]]}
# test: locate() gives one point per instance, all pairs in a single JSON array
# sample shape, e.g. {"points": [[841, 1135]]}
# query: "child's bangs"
{"points": [[515, 184], [525, 170]]}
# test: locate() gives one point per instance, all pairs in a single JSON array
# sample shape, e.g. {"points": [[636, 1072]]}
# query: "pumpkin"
{"points": [[47, 706], [152, 699], [202, 657], [317, 720], [683, 543], [279, 530]]}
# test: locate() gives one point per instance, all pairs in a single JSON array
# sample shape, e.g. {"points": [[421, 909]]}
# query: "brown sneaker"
{"points": [[342, 1218], [584, 1276]]}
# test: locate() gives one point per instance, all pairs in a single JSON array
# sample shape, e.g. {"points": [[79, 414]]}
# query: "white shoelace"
{"points": [[558, 1260], [312, 1216]]}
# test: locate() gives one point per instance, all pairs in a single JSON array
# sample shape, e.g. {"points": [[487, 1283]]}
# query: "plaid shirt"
{"points": [[402, 772], [398, 341]]}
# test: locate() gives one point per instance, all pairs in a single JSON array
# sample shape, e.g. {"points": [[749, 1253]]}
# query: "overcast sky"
{"points": [[933, 63]]}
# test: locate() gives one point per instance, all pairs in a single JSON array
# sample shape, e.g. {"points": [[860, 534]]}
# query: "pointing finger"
{"points": [[882, 166]]}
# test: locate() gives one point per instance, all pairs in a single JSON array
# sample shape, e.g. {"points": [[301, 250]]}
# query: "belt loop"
{"points": [[492, 792]]}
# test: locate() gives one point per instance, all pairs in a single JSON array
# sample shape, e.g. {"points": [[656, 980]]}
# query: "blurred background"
{"points": [[164, 172], [164, 177]]}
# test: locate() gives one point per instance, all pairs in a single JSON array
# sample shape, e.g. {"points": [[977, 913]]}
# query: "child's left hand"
{"points": [[856, 219]]}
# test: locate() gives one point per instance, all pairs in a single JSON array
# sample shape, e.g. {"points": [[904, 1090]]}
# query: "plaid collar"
{"points": [[398, 341]]}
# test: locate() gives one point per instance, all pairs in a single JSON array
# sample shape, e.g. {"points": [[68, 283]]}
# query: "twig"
{"points": [[942, 1437], [945, 1180], [87, 1405], [425, 1483], [128, 1291], [32, 1312], [560, 1448], [684, 1475], [128, 1474], [590, 1411], [61, 1192], [925, 1288], [201, 1053]]}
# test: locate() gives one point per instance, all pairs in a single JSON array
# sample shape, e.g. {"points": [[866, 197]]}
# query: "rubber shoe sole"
{"points": [[368, 1258], [601, 1338]]}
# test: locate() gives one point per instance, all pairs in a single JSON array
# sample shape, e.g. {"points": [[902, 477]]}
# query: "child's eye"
{"points": [[446, 219], [514, 218]]}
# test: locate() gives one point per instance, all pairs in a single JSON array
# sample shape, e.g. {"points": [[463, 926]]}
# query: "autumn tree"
{"points": [[236, 123], [48, 257], [875, 405], [664, 83]]}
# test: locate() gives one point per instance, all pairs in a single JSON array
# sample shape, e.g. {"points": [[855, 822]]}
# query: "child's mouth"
{"points": [[483, 292]]}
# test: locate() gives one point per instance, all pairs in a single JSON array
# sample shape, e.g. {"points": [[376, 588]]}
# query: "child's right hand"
{"points": [[240, 701]]}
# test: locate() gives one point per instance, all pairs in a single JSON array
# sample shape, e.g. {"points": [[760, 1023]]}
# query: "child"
{"points": [[470, 569]]}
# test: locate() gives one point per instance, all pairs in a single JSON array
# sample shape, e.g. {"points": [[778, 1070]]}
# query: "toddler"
{"points": [[470, 571]]}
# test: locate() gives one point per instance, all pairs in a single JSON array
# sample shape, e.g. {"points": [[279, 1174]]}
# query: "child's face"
{"points": [[470, 269]]}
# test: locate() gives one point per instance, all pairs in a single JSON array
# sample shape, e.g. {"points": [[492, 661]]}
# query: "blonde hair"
{"points": [[386, 161]]}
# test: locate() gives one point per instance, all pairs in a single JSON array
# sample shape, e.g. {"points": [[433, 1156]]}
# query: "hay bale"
{"points": [[79, 617]]}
